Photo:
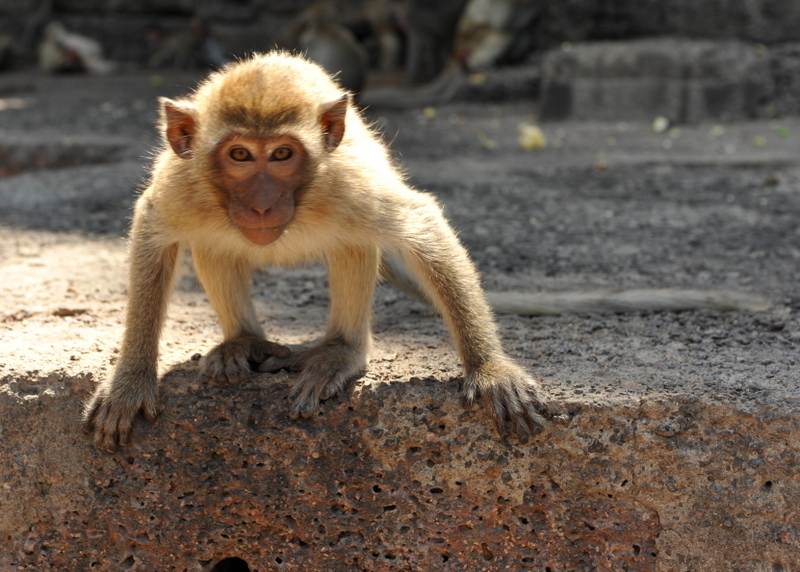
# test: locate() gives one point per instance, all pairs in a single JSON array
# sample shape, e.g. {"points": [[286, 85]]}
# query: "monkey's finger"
{"points": [[534, 408], [306, 397], [534, 416], [307, 411], [209, 368], [499, 414], [561, 411], [236, 366], [521, 427], [302, 388], [99, 420], [469, 394], [333, 387], [150, 410], [264, 349], [309, 407], [532, 396], [275, 364], [517, 414], [304, 408], [105, 432], [89, 414], [108, 441], [124, 426]]}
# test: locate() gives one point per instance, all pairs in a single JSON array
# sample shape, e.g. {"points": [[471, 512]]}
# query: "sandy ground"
{"points": [[603, 205]]}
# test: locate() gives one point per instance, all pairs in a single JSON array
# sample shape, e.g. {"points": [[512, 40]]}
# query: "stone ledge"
{"points": [[397, 476], [683, 80]]}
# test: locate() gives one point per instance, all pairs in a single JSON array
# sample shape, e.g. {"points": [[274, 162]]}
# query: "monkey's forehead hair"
{"points": [[266, 91]]}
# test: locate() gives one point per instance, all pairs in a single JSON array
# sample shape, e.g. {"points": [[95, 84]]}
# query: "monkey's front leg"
{"points": [[133, 386], [227, 284], [343, 353], [443, 268]]}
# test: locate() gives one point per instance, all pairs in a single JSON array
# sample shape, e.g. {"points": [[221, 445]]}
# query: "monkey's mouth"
{"points": [[262, 235]]}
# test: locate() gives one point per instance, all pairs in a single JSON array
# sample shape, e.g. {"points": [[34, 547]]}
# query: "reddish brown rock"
{"points": [[397, 477]]}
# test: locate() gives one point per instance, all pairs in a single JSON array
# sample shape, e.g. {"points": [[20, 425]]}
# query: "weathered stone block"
{"points": [[785, 70], [685, 81], [398, 476]]}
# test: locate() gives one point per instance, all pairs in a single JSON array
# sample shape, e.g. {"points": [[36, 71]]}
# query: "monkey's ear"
{"points": [[178, 122], [331, 119]]}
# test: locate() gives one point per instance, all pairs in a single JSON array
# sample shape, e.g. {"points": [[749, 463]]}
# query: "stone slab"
{"points": [[682, 80]]}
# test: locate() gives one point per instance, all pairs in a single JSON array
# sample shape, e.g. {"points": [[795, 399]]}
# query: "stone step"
{"points": [[686, 81], [398, 476]]}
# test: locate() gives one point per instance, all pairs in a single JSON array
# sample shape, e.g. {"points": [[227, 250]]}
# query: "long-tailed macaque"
{"points": [[269, 163], [321, 37]]}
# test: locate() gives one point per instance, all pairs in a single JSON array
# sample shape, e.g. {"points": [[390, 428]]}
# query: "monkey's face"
{"points": [[259, 180], [257, 169]]}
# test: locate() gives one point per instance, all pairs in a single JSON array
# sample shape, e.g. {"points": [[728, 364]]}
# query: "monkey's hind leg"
{"points": [[343, 353], [227, 284]]}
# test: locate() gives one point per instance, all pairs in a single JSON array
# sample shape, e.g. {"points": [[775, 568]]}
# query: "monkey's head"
{"points": [[255, 135]]}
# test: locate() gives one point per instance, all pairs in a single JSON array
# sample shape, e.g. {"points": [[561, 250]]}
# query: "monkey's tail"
{"points": [[598, 301]]}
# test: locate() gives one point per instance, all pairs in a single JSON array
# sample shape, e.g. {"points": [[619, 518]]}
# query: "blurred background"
{"points": [[684, 60], [573, 143]]}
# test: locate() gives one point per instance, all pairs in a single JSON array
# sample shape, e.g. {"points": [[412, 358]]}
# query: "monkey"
{"points": [[195, 47], [269, 162], [431, 33], [381, 18], [318, 34], [61, 51]]}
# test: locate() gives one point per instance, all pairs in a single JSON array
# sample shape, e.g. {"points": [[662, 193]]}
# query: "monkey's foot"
{"points": [[230, 361], [110, 413], [324, 371], [512, 397]]}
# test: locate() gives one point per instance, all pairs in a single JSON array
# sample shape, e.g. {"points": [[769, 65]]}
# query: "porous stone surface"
{"points": [[682, 80], [396, 476], [680, 449]]}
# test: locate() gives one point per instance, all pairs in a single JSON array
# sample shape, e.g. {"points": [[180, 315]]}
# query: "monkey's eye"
{"points": [[281, 154], [240, 154]]}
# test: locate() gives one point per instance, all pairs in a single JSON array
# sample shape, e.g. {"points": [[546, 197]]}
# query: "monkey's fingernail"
{"points": [[106, 443], [468, 398], [282, 351], [521, 426], [270, 366], [536, 417]]}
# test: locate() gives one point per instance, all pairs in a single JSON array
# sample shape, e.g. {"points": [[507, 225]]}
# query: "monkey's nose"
{"points": [[261, 211]]}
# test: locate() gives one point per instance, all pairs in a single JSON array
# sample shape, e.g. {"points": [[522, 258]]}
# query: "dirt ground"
{"points": [[603, 205], [683, 455]]}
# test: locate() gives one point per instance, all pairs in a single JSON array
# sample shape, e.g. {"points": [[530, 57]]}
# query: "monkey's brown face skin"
{"points": [[259, 180]]}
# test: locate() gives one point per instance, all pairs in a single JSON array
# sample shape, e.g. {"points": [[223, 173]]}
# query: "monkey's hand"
{"points": [[230, 360], [513, 398], [324, 371], [109, 414]]}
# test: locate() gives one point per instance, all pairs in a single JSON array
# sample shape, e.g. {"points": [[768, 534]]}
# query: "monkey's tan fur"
{"points": [[356, 206]]}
